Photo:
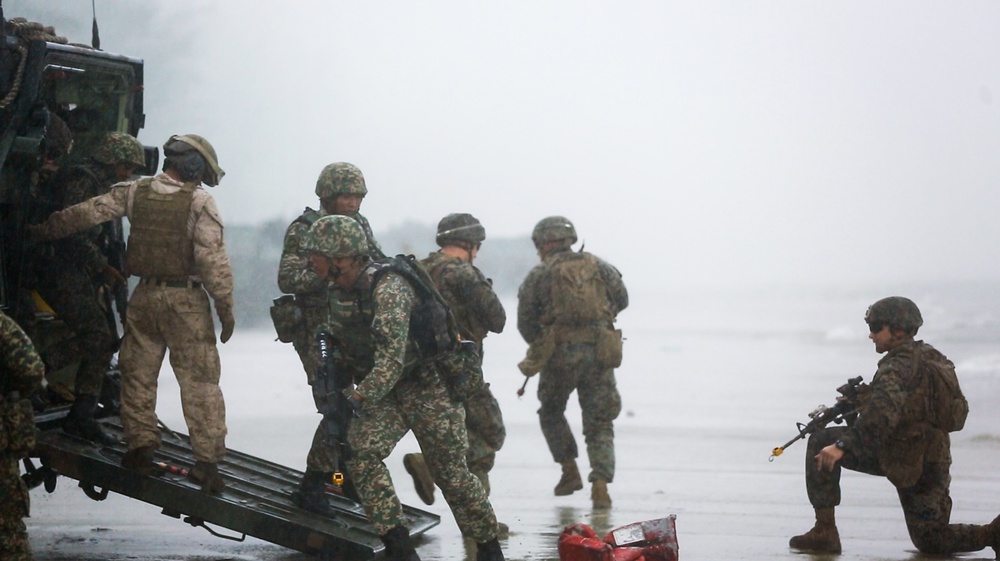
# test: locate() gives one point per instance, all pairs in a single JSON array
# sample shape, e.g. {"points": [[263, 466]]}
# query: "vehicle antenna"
{"points": [[95, 39]]}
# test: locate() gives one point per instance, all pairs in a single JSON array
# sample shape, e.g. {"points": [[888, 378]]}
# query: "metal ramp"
{"points": [[255, 503]]}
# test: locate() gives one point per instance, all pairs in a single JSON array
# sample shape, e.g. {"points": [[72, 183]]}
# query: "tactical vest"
{"points": [[158, 244], [578, 295]]}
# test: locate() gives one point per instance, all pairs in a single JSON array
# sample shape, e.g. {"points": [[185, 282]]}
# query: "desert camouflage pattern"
{"points": [[22, 373], [478, 312], [893, 438], [573, 365], [399, 396], [161, 317]]}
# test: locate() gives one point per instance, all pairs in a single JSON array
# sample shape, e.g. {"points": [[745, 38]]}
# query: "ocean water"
{"points": [[712, 380]]}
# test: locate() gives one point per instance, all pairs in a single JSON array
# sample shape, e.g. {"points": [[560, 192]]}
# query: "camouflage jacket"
{"points": [[469, 294], [204, 227], [893, 424], [22, 369], [534, 298]]}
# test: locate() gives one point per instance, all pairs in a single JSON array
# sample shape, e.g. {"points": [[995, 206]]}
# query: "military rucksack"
{"points": [[432, 324], [948, 409], [578, 292]]}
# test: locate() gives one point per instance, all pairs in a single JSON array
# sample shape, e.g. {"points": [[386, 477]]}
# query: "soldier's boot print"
{"points": [[822, 538], [570, 480], [139, 460], [599, 494], [398, 546], [422, 480], [207, 475], [311, 494], [80, 421], [489, 551]]}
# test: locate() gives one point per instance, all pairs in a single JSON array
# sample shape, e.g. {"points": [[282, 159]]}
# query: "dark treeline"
{"points": [[256, 250]]}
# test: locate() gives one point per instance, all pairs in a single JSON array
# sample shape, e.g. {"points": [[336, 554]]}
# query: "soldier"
{"points": [[566, 311], [400, 393], [341, 190], [176, 248], [901, 433], [68, 273], [478, 311], [21, 375]]}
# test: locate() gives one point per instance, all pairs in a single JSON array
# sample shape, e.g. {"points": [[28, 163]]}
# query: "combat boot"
{"points": [[822, 538], [398, 546], [80, 421], [570, 480], [139, 460], [207, 475], [422, 480], [311, 494], [489, 551], [599, 494]]}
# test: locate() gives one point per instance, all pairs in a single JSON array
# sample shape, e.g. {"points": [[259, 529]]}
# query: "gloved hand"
{"points": [[224, 309]]}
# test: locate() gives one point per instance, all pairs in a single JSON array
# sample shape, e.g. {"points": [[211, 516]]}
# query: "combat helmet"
{"points": [[340, 178], [895, 311], [177, 145], [336, 236], [120, 148], [460, 228], [553, 228]]}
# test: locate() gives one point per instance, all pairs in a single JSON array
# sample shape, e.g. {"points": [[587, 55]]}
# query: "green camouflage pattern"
{"points": [[573, 366], [401, 396], [553, 228], [893, 438], [460, 227], [22, 373], [119, 148], [340, 178], [335, 236], [478, 311], [895, 310]]}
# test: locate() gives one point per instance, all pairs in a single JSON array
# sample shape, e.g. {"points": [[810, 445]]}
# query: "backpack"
{"points": [[579, 295], [949, 408], [432, 324]]}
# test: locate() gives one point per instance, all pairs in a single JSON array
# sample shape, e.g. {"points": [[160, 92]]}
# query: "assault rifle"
{"points": [[845, 410], [328, 393]]}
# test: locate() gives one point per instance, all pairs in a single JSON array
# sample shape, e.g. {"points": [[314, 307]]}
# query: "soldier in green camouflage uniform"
{"points": [[69, 271], [398, 394], [341, 190], [573, 359], [21, 371], [176, 247], [478, 312], [897, 435]]}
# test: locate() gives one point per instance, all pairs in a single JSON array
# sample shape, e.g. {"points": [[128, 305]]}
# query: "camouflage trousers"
{"points": [[486, 432], [73, 296], [575, 367], [438, 423], [13, 508], [178, 319], [926, 505]]}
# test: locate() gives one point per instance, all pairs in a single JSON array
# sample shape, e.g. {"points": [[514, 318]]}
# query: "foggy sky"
{"points": [[690, 142]]}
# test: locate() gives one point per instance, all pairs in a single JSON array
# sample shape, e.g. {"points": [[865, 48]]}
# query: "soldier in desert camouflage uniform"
{"points": [[176, 246], [69, 271], [398, 395], [21, 371], [898, 434], [575, 346], [478, 312], [341, 190]]}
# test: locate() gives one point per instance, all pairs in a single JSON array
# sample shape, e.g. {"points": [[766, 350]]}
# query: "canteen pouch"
{"points": [[609, 348], [287, 318], [17, 427]]}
